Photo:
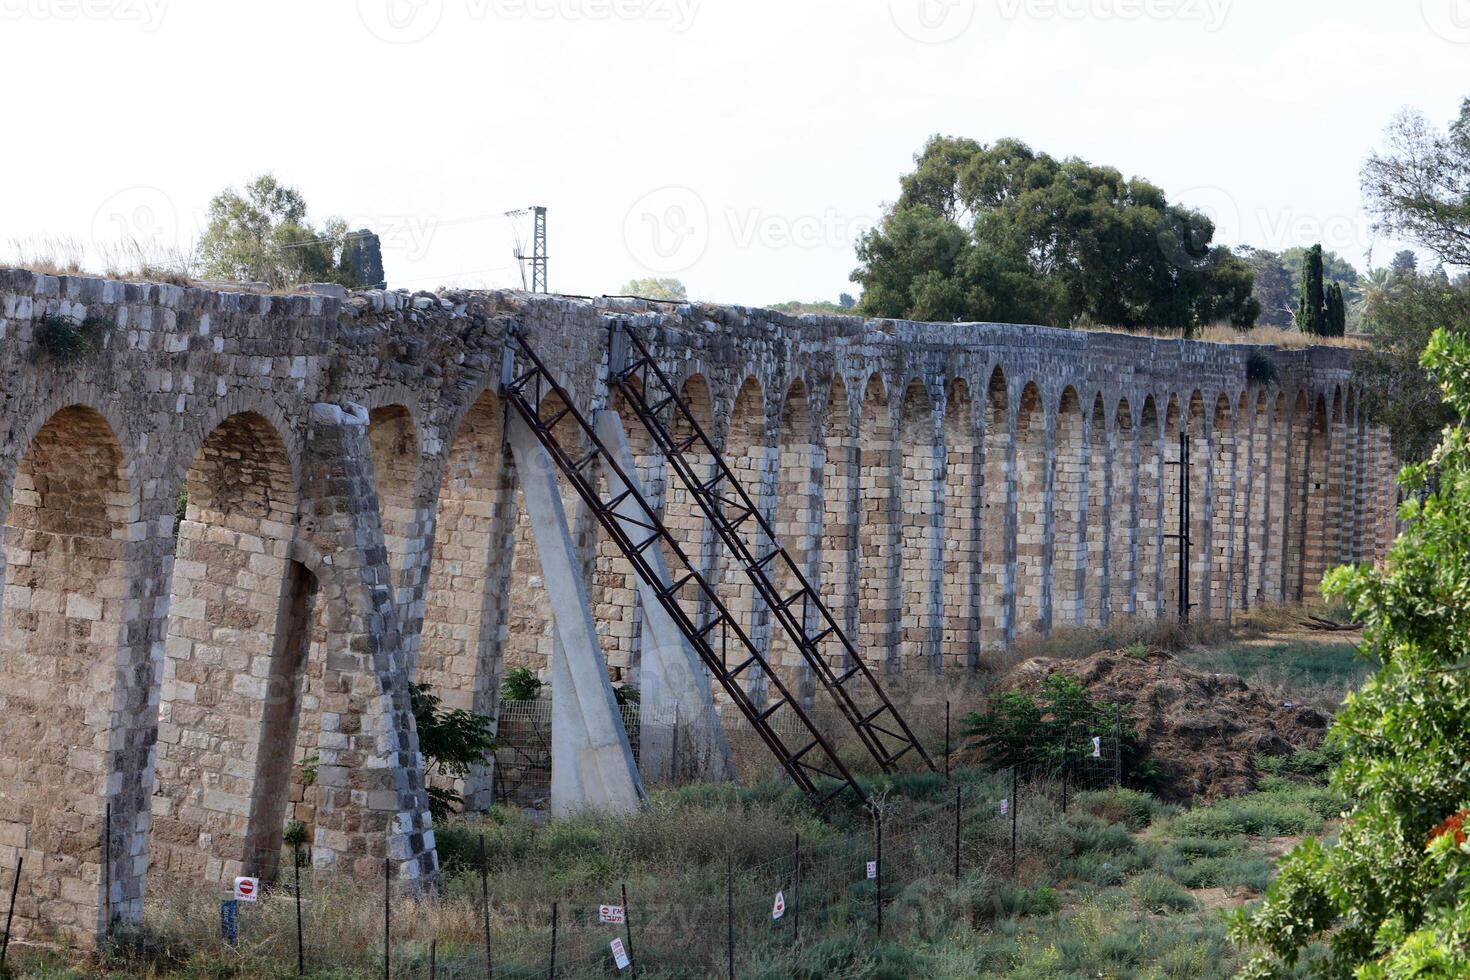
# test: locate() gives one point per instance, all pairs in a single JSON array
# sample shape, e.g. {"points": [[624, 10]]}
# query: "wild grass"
{"points": [[1116, 886]]}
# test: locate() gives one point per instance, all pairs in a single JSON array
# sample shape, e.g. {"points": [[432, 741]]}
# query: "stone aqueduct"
{"points": [[240, 526]]}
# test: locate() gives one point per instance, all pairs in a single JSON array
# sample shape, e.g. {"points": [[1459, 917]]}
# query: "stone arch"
{"points": [[749, 454], [1032, 463], [877, 555], [1097, 520], [234, 662], [797, 517], [840, 494], [1222, 508], [1069, 512], [66, 593], [997, 565], [919, 555], [1149, 588], [392, 436], [1123, 540], [963, 521]]}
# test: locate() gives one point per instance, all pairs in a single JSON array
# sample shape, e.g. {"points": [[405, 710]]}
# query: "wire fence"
{"points": [[890, 871]]}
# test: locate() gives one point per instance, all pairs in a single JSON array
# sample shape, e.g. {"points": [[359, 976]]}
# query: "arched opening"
{"points": [[796, 526], [1335, 547], [840, 503], [395, 449], [458, 650], [1069, 513], [1150, 587], [749, 454], [1124, 516], [1299, 492], [997, 581], [1031, 511], [1276, 495], [1171, 479], [60, 627], [919, 532], [964, 485], [683, 517], [1321, 536], [876, 550], [616, 606], [234, 662], [1222, 513], [1201, 489], [1097, 518], [1256, 516]]}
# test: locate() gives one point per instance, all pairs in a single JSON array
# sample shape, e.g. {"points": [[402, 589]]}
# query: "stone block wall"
{"points": [[241, 526]]}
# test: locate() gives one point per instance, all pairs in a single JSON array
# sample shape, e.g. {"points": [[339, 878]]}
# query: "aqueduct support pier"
{"points": [[239, 526]]}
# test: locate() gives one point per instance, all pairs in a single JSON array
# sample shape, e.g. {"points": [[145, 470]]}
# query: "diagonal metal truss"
{"points": [[726, 650], [826, 649]]}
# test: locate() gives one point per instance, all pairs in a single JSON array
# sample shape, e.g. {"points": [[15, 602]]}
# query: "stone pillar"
{"points": [[592, 765]]}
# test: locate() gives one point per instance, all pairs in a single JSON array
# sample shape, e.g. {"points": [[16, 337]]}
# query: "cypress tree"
{"points": [[1336, 311], [1311, 316]]}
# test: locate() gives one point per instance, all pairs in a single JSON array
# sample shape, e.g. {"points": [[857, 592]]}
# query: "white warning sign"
{"points": [[620, 954], [247, 889], [612, 915], [1097, 746], [1005, 807], [872, 870], [778, 908]]}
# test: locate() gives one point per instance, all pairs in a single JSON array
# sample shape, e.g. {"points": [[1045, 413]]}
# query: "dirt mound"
{"points": [[1202, 730]]}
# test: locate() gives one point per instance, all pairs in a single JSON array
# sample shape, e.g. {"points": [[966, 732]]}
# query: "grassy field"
{"points": [[1119, 886]]}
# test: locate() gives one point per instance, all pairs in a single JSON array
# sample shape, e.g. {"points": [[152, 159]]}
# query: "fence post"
{"points": [[628, 932], [1117, 745], [1066, 763], [107, 871], [485, 906], [300, 933], [730, 914], [552, 974], [673, 757], [957, 791], [20, 861], [946, 741], [387, 918], [433, 959], [796, 895], [1015, 808], [878, 881]]}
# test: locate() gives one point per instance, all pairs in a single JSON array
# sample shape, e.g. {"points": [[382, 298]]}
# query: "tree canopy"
{"points": [[1419, 187], [656, 288], [1002, 232], [1388, 899], [264, 235]]}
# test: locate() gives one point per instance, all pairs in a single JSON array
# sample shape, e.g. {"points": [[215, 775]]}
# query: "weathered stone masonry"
{"points": [[242, 525]]}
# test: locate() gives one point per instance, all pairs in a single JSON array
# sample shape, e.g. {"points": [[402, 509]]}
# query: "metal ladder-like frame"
{"points": [[812, 761], [651, 395]]}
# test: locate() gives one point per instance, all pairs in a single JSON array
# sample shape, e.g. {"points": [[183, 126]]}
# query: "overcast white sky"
{"points": [[738, 144]]}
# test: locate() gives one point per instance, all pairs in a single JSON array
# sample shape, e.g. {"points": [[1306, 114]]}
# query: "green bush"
{"points": [[1257, 815], [1131, 808], [1155, 893], [1012, 900]]}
